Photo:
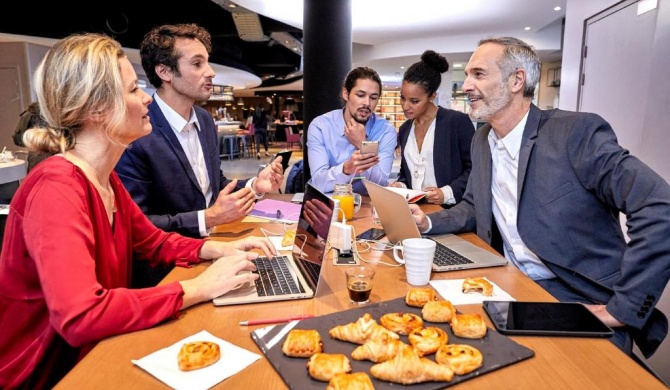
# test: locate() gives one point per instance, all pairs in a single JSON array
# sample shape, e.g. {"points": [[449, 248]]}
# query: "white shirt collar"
{"points": [[173, 118], [511, 141]]}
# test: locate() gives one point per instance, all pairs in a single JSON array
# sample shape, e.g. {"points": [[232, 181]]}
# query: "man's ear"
{"points": [[163, 72], [519, 81], [345, 95]]}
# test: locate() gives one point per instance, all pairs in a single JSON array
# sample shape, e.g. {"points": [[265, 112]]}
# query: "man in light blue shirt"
{"points": [[334, 138]]}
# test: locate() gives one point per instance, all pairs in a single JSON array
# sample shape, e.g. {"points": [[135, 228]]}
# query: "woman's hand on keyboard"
{"points": [[215, 249], [223, 275]]}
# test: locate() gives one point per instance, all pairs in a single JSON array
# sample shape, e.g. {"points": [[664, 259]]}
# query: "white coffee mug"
{"points": [[417, 255]]}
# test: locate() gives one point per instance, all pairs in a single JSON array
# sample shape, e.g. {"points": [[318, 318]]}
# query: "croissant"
{"points": [[378, 349], [407, 368], [353, 381], [323, 366], [360, 331]]}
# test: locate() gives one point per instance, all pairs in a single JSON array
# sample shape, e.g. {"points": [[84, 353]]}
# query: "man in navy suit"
{"points": [[549, 186], [174, 173]]}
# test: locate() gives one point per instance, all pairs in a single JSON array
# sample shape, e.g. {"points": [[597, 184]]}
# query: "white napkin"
{"points": [[452, 289], [276, 241], [163, 365]]}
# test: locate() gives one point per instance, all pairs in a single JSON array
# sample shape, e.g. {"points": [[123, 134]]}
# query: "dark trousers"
{"points": [[561, 291], [261, 136]]}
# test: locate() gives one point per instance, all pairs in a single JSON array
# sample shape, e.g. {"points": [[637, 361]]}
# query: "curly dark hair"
{"points": [[157, 47], [426, 73]]}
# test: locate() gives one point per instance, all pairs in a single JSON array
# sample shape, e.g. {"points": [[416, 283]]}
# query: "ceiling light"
{"points": [[402, 67], [240, 102], [527, 28], [458, 65], [557, 8], [287, 40]]}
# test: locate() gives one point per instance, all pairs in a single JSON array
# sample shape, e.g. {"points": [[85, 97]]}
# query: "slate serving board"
{"points": [[498, 350]]}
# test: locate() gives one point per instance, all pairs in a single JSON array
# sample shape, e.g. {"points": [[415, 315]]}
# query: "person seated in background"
{"points": [[434, 141], [334, 138], [29, 118], [549, 186], [174, 174], [66, 259]]}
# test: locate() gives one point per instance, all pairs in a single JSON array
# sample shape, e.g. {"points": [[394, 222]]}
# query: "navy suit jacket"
{"points": [[156, 172], [451, 151], [574, 179]]}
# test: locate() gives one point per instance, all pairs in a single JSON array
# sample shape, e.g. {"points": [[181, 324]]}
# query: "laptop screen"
{"points": [[312, 233]]}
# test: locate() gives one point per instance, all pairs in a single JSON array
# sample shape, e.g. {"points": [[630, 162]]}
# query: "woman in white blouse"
{"points": [[434, 141]]}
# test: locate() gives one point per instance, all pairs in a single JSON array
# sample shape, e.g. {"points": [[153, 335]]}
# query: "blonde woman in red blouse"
{"points": [[73, 228]]}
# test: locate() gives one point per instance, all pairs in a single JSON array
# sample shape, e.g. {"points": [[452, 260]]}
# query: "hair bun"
{"points": [[435, 61]]}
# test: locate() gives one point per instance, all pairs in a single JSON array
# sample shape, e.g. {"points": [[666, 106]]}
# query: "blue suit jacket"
{"points": [[574, 179], [156, 172], [451, 155]]}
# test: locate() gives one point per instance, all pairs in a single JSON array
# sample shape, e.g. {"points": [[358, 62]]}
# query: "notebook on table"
{"points": [[295, 276], [452, 252]]}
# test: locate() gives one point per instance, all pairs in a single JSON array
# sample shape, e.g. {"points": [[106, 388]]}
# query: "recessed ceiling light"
{"points": [[458, 65], [402, 67], [526, 28], [557, 8]]}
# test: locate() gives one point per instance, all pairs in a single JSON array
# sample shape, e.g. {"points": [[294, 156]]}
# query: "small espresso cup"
{"points": [[417, 255], [359, 284]]}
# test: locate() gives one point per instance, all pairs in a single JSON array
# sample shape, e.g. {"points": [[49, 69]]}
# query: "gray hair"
{"points": [[518, 55]]}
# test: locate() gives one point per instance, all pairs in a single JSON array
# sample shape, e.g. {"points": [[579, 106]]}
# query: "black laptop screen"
{"points": [[313, 227]]}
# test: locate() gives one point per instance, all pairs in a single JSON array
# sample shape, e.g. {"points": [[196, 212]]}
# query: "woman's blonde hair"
{"points": [[78, 79]]}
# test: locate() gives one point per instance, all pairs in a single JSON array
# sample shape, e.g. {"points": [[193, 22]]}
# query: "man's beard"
{"points": [[492, 104], [357, 119]]}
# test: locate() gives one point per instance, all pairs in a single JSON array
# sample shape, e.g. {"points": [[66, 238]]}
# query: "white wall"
{"points": [[651, 142]]}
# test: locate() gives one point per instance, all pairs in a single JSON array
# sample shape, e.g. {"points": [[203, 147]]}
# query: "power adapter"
{"points": [[340, 236]]}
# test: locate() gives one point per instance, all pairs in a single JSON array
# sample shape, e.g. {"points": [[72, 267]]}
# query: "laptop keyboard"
{"points": [[446, 257], [275, 277], [312, 269]]}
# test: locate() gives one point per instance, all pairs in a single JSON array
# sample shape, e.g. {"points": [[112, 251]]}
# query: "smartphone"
{"points": [[370, 147], [285, 155], [545, 319], [372, 234]]}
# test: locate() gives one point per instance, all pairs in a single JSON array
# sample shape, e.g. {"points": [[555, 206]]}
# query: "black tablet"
{"points": [[545, 319]]}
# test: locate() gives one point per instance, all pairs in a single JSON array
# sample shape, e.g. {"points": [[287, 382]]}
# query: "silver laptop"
{"points": [[452, 252], [296, 276]]}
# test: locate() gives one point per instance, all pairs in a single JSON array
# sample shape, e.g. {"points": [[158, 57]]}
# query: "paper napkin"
{"points": [[452, 290], [163, 365]]}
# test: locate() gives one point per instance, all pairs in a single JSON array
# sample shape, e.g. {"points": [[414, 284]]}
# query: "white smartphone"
{"points": [[370, 147]]}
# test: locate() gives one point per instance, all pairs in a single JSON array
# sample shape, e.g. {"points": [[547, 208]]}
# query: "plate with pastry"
{"points": [[470, 290], [358, 335], [199, 361]]}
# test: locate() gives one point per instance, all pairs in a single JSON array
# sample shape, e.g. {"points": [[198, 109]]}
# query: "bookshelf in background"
{"points": [[389, 108]]}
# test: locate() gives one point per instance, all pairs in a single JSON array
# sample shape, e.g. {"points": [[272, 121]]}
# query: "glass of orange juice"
{"points": [[350, 202]]}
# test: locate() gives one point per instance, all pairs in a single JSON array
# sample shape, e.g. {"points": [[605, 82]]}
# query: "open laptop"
{"points": [[299, 273], [452, 252]]}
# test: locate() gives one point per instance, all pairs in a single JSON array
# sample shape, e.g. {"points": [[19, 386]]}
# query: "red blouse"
{"points": [[65, 273]]}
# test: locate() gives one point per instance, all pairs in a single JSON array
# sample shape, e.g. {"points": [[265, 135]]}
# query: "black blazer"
{"points": [[156, 172], [451, 157]]}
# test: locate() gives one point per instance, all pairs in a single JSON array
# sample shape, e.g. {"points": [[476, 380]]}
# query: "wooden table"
{"points": [[559, 363]]}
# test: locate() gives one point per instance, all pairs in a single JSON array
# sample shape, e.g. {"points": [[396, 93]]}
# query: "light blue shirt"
{"points": [[328, 149], [504, 179]]}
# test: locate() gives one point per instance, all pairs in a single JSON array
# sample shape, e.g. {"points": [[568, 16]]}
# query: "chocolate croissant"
{"points": [[353, 381], [408, 368], [360, 331], [324, 366]]}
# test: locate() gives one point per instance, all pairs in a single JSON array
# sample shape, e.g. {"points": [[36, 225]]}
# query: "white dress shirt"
{"points": [[504, 175], [190, 143]]}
